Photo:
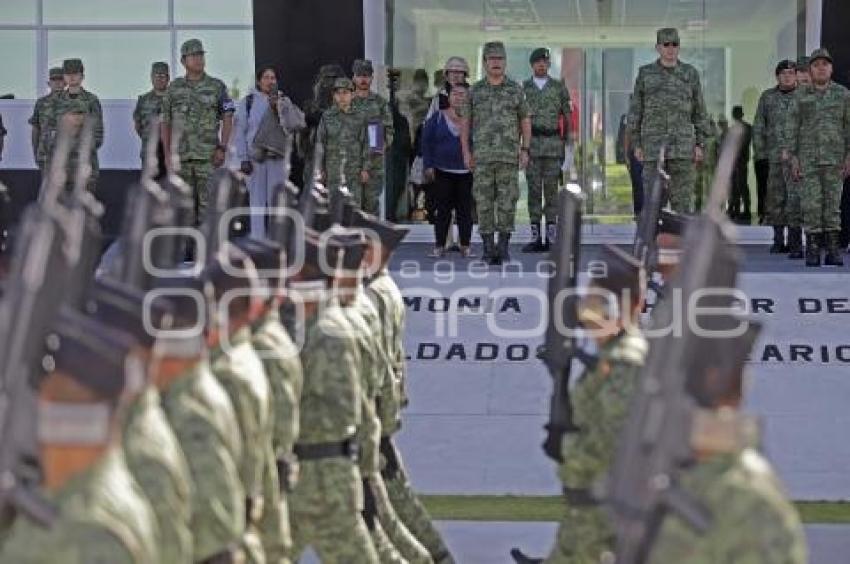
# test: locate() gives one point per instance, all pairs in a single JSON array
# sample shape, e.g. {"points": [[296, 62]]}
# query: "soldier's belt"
{"points": [[580, 497], [318, 451], [546, 131]]}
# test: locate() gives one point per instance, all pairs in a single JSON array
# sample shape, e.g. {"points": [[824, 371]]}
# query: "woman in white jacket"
{"points": [[263, 164]]}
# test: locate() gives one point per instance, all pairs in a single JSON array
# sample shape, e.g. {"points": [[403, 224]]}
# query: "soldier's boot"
{"points": [[503, 247], [833, 249], [487, 241], [520, 558], [813, 249], [795, 243], [551, 234], [536, 244], [778, 240]]}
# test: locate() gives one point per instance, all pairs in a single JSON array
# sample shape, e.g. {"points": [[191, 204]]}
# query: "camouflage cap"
{"points": [[803, 63], [191, 47], [667, 35], [785, 64], [420, 75], [821, 53], [56, 72], [362, 67], [331, 70], [539, 54], [494, 49], [74, 106], [72, 66], [159, 67], [343, 84]]}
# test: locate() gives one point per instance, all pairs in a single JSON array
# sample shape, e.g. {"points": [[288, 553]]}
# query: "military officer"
{"points": [[195, 107], [549, 102], [43, 118], [496, 141], [148, 107], [817, 143], [342, 132], [379, 131], [668, 111]]}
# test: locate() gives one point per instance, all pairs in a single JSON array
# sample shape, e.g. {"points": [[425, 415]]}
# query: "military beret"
{"points": [[389, 234], [191, 47], [803, 63], [622, 272], [785, 64], [91, 353], [672, 222], [159, 67], [322, 256], [539, 54], [184, 297], [667, 35], [362, 67], [343, 84], [267, 255], [821, 53], [72, 66], [118, 305], [74, 105], [56, 72], [352, 242], [230, 270], [419, 75], [494, 49]]}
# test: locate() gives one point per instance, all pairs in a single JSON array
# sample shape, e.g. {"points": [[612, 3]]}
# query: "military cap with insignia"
{"points": [[56, 73], [159, 67], [389, 235], [125, 308], [541, 53], [494, 49], [821, 53], [667, 35], [72, 66], [343, 83], [362, 67], [622, 272]]}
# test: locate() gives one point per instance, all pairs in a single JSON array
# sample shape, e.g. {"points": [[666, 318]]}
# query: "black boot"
{"points": [[813, 249], [521, 558], [504, 246], [551, 235], [795, 243], [778, 240], [833, 250], [536, 244], [489, 246]]}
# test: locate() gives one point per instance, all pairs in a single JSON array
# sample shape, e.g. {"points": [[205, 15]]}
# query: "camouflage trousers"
{"points": [[495, 187], [371, 198], [680, 189], [584, 537], [821, 197], [779, 187], [274, 523], [543, 175], [325, 511], [413, 514], [351, 181], [197, 175], [393, 540]]}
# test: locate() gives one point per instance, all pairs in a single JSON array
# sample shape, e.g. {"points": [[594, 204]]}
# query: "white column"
{"points": [[374, 30], [814, 21]]}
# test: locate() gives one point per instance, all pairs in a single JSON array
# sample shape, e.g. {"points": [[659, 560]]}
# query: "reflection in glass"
{"points": [[86, 12], [213, 12], [18, 71]]}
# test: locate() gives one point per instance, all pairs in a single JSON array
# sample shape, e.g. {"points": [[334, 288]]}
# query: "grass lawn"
{"points": [[548, 508]]}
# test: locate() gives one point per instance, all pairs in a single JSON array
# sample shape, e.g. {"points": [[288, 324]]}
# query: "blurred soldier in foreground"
{"points": [[43, 120], [149, 106], [379, 132]]}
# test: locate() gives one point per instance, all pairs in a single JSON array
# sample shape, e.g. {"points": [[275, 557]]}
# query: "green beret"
{"points": [[56, 72], [74, 106], [191, 47], [538, 54], [494, 49], [159, 67], [668, 35], [390, 234], [821, 53], [343, 84], [72, 66], [362, 67]]}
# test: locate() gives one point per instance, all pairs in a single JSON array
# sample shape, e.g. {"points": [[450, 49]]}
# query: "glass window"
{"points": [[17, 73], [117, 63], [93, 12], [18, 12], [230, 56], [213, 12]]}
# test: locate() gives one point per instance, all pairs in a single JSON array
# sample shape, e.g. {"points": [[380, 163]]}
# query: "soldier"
{"points": [[668, 111], [417, 101], [739, 200], [204, 421], [323, 89], [600, 403], [496, 138], [549, 102], [385, 295], [149, 106], [342, 132], [818, 145], [102, 514], [379, 132], [71, 114], [43, 119], [770, 118], [195, 106], [794, 206], [326, 504], [752, 518]]}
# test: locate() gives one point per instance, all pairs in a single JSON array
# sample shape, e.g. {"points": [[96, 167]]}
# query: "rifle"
{"points": [[228, 192], [181, 198], [654, 444], [647, 228]]}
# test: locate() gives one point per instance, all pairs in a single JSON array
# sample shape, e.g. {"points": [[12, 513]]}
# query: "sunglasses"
{"points": [[670, 44]]}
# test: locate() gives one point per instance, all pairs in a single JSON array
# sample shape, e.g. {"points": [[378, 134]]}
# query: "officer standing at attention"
{"points": [[668, 110], [496, 138], [195, 107], [549, 103], [43, 118], [379, 132], [342, 132], [149, 106]]}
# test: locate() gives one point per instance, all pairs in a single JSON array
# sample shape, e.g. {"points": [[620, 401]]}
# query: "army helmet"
{"points": [[456, 63]]}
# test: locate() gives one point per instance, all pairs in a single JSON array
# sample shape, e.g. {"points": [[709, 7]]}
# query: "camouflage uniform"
{"points": [[600, 404], [377, 114], [148, 106], [326, 503], [753, 520], [197, 108], [668, 110], [157, 464], [416, 105], [343, 135], [240, 372], [548, 107], [44, 120], [103, 517], [495, 112], [204, 421], [314, 109], [771, 117], [65, 103]]}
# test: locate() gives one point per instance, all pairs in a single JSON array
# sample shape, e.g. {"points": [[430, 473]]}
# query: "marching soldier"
{"points": [[549, 103], [342, 132], [379, 132], [43, 120], [148, 107]]}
